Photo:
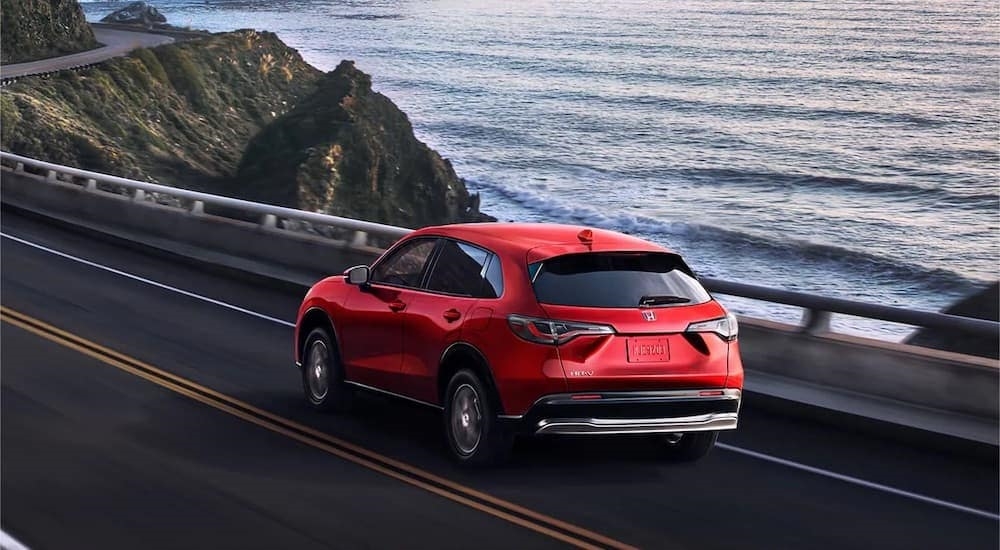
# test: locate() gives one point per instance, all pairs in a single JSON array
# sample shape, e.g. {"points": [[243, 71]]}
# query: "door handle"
{"points": [[397, 305], [452, 315]]}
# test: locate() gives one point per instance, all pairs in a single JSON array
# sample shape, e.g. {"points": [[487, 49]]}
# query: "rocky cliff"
{"points": [[179, 114], [36, 29], [349, 151], [240, 114]]}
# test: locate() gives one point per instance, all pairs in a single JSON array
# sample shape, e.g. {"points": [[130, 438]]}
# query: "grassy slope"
{"points": [[351, 152], [36, 29], [240, 114], [179, 114]]}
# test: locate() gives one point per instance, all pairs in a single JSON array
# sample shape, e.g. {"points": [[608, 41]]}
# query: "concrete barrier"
{"points": [[922, 377], [311, 257], [934, 391]]}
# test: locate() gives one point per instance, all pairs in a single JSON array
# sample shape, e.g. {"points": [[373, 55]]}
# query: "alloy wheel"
{"points": [[318, 371], [466, 419]]}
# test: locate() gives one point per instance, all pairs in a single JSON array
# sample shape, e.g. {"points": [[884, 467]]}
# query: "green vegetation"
{"points": [[36, 29], [351, 152], [242, 114], [179, 114]]}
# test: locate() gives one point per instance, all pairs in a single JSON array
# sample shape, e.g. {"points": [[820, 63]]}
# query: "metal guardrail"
{"points": [[8, 80], [268, 213], [818, 309]]}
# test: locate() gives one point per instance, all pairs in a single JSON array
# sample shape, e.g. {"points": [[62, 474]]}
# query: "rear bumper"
{"points": [[640, 412], [620, 426]]}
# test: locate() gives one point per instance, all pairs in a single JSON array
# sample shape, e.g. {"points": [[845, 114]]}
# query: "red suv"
{"points": [[528, 329]]}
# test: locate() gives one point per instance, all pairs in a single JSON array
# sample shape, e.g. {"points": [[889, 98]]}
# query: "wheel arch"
{"points": [[314, 317], [461, 355]]}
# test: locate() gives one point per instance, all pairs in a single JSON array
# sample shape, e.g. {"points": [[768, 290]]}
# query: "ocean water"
{"points": [[846, 149]]}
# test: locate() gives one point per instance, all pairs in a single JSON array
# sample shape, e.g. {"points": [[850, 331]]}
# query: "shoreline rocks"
{"points": [[136, 13]]}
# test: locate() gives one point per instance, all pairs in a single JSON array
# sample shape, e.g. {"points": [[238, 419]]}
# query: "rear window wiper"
{"points": [[662, 300]]}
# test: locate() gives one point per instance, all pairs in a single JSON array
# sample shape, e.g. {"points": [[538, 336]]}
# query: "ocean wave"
{"points": [[874, 267], [365, 16], [763, 180], [742, 109], [685, 101], [640, 64], [841, 184]]}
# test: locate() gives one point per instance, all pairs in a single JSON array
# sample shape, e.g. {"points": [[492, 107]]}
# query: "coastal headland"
{"points": [[239, 113]]}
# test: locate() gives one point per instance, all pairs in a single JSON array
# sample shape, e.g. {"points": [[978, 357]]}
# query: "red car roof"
{"points": [[541, 240]]}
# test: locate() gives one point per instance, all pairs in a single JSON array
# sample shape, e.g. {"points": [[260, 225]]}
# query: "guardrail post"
{"points": [[198, 208], [270, 220], [91, 184], [140, 195], [360, 239], [19, 168], [51, 176], [815, 321]]}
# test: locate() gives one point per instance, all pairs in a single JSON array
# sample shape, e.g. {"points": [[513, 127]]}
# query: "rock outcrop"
{"points": [[982, 305], [349, 151], [136, 13], [36, 29], [179, 114], [240, 114]]}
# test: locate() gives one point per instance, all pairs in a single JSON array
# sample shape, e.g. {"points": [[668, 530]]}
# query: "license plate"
{"points": [[647, 350]]}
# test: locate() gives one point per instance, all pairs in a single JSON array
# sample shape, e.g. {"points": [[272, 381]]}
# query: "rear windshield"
{"points": [[616, 280]]}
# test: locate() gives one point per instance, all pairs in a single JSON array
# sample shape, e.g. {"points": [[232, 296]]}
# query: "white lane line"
{"points": [[150, 282], [8, 542], [747, 452], [861, 482]]}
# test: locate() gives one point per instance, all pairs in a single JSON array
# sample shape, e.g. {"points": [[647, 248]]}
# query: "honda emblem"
{"points": [[649, 315]]}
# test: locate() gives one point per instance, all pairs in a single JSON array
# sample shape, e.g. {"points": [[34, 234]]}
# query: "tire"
{"points": [[323, 374], [690, 447], [472, 429]]}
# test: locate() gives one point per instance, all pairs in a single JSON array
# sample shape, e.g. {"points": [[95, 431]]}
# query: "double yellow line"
{"points": [[411, 475]]}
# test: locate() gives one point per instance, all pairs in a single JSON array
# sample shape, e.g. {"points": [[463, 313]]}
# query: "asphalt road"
{"points": [[113, 42], [99, 451]]}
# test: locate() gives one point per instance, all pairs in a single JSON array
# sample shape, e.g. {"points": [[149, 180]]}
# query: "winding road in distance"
{"points": [[114, 42]]}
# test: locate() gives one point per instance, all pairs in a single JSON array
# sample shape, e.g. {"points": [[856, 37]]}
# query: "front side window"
{"points": [[616, 280], [405, 266], [461, 269]]}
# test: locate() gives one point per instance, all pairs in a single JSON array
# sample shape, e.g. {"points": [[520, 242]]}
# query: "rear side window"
{"points": [[465, 270], [616, 280], [494, 279]]}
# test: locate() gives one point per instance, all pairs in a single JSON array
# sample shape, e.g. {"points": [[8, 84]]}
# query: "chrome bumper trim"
{"points": [[619, 396], [617, 426]]}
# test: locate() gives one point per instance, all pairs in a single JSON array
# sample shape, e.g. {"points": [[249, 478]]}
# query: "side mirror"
{"points": [[358, 275]]}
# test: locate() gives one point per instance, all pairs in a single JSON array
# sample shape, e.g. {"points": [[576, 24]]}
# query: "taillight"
{"points": [[726, 327], [549, 331]]}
